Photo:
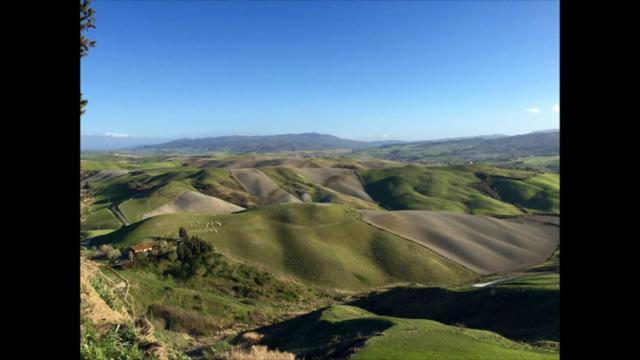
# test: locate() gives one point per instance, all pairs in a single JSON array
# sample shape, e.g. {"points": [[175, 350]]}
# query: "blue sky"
{"points": [[359, 69]]}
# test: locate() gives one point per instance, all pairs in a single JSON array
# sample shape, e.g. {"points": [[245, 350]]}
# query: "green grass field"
{"points": [[233, 296], [101, 218], [539, 192], [135, 208], [477, 189], [543, 163], [332, 331], [432, 188], [506, 308], [325, 245]]}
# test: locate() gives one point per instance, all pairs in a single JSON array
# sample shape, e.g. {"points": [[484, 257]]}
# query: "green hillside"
{"points": [[136, 207], [432, 188], [473, 189], [325, 245], [229, 296], [506, 308], [538, 192], [335, 331]]}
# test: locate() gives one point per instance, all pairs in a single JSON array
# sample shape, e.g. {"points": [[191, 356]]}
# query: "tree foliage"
{"points": [[182, 233], [194, 256], [87, 22]]}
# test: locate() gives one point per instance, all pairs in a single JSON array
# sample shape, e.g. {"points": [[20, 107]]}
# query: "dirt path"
{"points": [[508, 278], [497, 281], [118, 214]]}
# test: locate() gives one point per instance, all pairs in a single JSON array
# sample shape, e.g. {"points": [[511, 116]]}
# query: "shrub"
{"points": [[107, 293], [256, 353], [182, 233], [117, 343]]}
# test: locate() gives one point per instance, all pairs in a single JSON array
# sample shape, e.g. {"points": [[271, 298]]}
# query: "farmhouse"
{"points": [[141, 248], [138, 249]]}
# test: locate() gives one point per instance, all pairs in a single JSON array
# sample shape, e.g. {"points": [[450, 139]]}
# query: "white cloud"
{"points": [[119, 135], [533, 110], [556, 108]]}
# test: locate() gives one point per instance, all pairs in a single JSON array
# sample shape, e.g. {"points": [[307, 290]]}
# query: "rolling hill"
{"points": [[473, 189], [343, 331], [322, 244], [506, 308], [483, 244]]}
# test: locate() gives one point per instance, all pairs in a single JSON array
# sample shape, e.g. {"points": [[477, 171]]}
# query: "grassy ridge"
{"points": [[477, 189], [432, 188], [325, 245], [539, 192], [308, 191], [101, 218], [333, 331], [506, 308], [136, 207]]}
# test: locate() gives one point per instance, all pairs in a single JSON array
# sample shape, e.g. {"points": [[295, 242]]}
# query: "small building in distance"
{"points": [[139, 248]]}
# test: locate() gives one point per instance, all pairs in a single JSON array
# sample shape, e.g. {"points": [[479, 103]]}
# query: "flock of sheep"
{"points": [[208, 225]]}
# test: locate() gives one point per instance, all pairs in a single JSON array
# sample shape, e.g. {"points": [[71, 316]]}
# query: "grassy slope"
{"points": [[506, 308], [459, 189], [162, 185], [325, 245], [289, 180], [432, 188], [135, 208], [101, 218], [236, 296], [333, 330], [539, 192], [219, 183]]}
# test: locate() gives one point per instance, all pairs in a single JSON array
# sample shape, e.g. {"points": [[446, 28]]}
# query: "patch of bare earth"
{"points": [[480, 243], [191, 201], [344, 181], [261, 186], [94, 308]]}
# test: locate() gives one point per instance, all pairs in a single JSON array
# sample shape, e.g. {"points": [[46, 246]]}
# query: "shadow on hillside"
{"points": [[520, 314], [313, 338]]}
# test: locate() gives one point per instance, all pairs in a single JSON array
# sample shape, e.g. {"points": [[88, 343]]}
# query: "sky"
{"points": [[365, 70]]}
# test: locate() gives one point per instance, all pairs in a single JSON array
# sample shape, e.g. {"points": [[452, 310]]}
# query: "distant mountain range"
{"points": [[115, 142], [266, 143], [539, 143]]}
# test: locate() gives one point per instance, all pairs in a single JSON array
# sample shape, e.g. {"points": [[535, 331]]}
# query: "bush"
{"points": [[107, 293], [117, 343]]}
